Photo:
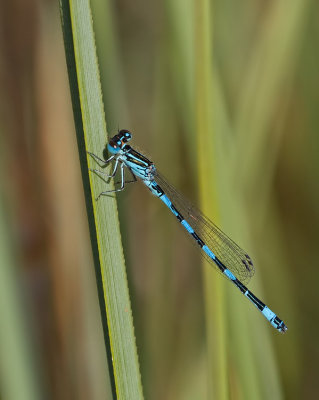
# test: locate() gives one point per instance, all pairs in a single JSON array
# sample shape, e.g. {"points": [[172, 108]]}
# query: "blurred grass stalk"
{"points": [[207, 170], [268, 75], [234, 176], [19, 375], [103, 217]]}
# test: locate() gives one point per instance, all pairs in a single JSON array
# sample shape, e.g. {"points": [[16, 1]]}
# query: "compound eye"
{"points": [[125, 134]]}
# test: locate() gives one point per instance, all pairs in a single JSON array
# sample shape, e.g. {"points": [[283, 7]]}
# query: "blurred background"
{"points": [[264, 120]]}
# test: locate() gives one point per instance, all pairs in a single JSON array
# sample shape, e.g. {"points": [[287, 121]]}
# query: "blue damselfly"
{"points": [[217, 247]]}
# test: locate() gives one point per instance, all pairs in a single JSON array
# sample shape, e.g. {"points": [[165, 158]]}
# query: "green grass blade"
{"points": [[272, 64], [103, 217], [214, 287], [269, 72], [19, 375], [112, 79]]}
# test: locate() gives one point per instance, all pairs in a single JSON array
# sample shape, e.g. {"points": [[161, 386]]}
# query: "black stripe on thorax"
{"points": [[138, 158]]}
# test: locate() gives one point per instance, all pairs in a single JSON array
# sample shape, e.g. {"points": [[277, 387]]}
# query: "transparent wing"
{"points": [[228, 252]]}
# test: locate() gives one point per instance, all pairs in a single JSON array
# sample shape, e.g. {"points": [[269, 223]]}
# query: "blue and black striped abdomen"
{"points": [[217, 247], [219, 250]]}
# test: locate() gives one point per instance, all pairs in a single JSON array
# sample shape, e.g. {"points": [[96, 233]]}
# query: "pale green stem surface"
{"points": [[19, 375], [103, 217], [214, 286]]}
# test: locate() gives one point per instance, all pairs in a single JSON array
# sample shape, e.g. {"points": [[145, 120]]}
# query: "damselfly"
{"points": [[217, 247]]}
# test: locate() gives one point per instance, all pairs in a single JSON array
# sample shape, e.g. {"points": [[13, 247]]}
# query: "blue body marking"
{"points": [[111, 150], [229, 275], [218, 248], [166, 200], [187, 226], [209, 252]]}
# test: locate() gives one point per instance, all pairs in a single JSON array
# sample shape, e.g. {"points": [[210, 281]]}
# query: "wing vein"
{"points": [[228, 252]]}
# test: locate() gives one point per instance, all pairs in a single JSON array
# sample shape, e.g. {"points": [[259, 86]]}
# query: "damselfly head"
{"points": [[118, 141], [124, 135]]}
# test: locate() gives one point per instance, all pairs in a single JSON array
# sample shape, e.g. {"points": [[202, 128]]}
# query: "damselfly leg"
{"points": [[116, 164]]}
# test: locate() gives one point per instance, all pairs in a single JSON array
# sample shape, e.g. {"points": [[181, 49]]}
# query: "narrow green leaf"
{"points": [[103, 217], [272, 64], [214, 287], [19, 375]]}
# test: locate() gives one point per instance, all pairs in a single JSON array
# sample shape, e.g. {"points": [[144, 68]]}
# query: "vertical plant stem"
{"points": [[217, 358], [19, 375], [103, 217]]}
